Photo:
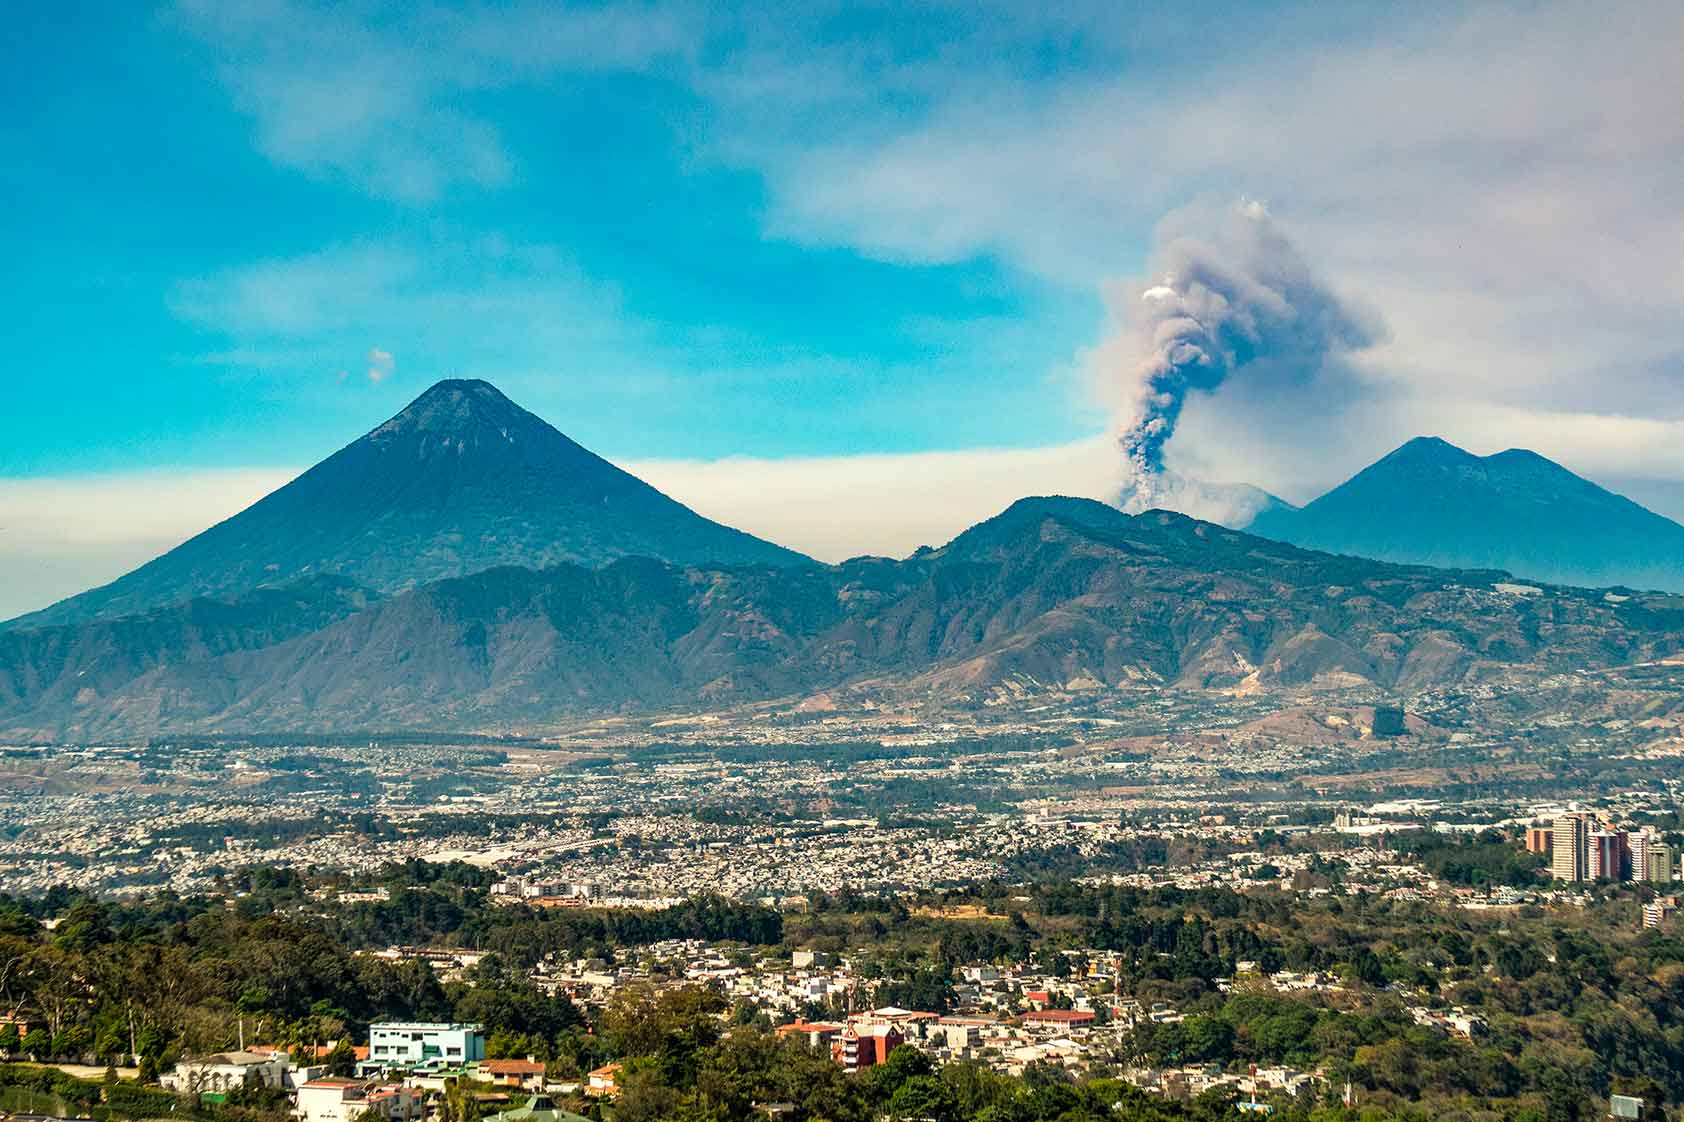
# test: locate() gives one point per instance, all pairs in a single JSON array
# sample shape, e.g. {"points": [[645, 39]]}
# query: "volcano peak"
{"points": [[460, 480]]}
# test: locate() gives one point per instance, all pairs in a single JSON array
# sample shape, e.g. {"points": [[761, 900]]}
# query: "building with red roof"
{"points": [[525, 1074]]}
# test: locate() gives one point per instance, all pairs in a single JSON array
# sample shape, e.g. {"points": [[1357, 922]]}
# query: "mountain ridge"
{"points": [[1430, 502], [1053, 594]]}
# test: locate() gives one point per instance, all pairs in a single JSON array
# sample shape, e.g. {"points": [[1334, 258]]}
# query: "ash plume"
{"points": [[1233, 299]]}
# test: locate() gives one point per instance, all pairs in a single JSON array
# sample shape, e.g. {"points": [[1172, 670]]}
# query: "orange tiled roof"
{"points": [[512, 1067]]}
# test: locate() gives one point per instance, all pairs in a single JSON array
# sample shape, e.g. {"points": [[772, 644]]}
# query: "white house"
{"points": [[330, 1098], [336, 1099], [226, 1071], [605, 1080]]}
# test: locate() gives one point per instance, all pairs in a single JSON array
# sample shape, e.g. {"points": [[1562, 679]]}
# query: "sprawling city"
{"points": [[1263, 907]]}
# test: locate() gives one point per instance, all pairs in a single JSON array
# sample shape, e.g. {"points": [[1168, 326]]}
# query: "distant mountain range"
{"points": [[1431, 503], [462, 480], [465, 566], [1053, 595]]}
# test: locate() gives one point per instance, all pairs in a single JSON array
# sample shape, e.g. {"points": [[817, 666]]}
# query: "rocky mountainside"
{"points": [[1432, 503], [1051, 595], [70, 666], [461, 481]]}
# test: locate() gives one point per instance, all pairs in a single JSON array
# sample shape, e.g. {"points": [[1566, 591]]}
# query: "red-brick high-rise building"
{"points": [[865, 1044], [1606, 855]]}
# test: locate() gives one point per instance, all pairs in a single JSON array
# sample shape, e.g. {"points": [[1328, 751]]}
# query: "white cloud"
{"points": [[835, 507], [376, 95], [457, 305], [1499, 184], [299, 295], [380, 365], [61, 535]]}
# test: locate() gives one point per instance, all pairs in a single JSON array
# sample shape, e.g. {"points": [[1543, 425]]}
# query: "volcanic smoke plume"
{"points": [[1234, 299]]}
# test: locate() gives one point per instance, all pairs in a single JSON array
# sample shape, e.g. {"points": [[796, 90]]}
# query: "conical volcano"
{"points": [[461, 480]]}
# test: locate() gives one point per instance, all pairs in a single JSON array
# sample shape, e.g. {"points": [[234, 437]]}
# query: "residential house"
{"points": [[541, 1108], [226, 1071], [604, 1081], [525, 1075], [334, 1098]]}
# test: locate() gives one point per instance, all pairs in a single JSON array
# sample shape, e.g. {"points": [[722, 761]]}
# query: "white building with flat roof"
{"points": [[226, 1071], [332, 1099], [409, 1043]]}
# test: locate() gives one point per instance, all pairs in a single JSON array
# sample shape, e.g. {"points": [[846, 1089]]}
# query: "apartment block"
{"points": [[410, 1043]]}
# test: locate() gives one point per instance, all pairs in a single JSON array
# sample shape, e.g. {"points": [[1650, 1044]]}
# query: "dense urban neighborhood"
{"points": [[1219, 919]]}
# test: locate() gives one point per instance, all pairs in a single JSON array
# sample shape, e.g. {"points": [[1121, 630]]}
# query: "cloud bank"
{"points": [[62, 535], [378, 96]]}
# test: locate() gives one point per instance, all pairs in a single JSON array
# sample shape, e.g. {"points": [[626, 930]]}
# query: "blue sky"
{"points": [[876, 259], [605, 265]]}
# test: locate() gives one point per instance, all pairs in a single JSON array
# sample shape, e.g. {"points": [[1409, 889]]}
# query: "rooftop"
{"points": [[512, 1067]]}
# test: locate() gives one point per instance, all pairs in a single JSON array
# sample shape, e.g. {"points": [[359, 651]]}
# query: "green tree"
{"points": [[73, 1042], [110, 1041], [461, 1101], [976, 1087], [924, 1097], [341, 1058], [904, 1062], [644, 1096]]}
